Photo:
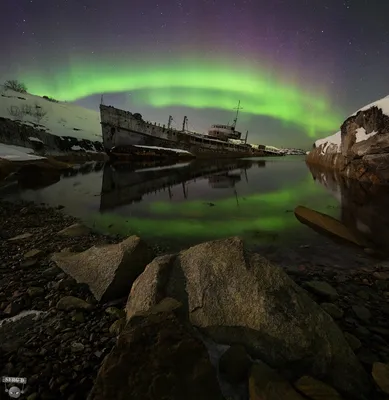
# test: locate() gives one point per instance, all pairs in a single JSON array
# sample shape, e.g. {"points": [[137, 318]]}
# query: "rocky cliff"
{"points": [[360, 149], [42, 142]]}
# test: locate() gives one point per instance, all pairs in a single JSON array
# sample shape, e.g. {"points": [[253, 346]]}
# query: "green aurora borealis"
{"points": [[194, 84]]}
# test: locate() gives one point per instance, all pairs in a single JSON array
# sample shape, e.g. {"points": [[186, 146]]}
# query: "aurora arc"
{"points": [[198, 85]]}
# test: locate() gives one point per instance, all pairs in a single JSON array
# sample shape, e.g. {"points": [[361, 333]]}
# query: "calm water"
{"points": [[192, 202]]}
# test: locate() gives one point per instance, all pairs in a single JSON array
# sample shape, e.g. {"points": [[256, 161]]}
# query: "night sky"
{"points": [[299, 67]]}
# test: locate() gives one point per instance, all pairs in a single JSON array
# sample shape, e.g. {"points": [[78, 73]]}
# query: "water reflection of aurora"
{"points": [[195, 220]]}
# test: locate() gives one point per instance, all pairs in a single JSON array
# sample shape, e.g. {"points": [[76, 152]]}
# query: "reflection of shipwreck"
{"points": [[125, 184], [224, 180]]}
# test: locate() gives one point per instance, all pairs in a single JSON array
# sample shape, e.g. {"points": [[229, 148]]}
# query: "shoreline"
{"points": [[43, 172], [43, 353]]}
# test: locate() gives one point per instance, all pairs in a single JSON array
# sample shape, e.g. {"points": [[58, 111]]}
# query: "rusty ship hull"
{"points": [[122, 129]]}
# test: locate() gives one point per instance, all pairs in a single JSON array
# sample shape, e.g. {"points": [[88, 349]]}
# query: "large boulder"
{"points": [[360, 149], [108, 270], [156, 357], [238, 297]]}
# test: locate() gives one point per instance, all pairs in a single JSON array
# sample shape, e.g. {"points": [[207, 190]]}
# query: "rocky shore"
{"points": [[84, 315], [30, 281]]}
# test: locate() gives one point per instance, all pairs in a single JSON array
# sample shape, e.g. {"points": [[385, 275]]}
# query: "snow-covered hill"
{"points": [[332, 143], [56, 118]]}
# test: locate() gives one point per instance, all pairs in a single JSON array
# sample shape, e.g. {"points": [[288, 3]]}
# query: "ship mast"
{"points": [[237, 112], [185, 122]]}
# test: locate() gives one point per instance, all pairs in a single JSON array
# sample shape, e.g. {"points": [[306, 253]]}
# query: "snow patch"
{"points": [[162, 148], [383, 104], [331, 144], [21, 315], [17, 153], [362, 135], [34, 139], [76, 148]]}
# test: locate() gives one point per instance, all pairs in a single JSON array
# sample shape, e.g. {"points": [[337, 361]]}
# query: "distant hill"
{"points": [[287, 151], [293, 152]]}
